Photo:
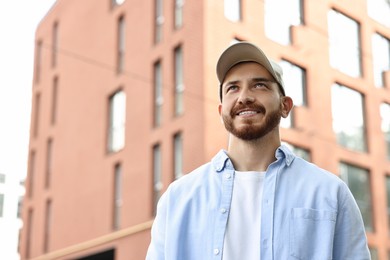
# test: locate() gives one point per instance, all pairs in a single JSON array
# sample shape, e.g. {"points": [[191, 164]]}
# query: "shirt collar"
{"points": [[284, 152], [221, 160]]}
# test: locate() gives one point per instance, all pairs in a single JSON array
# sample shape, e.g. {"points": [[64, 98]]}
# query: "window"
{"points": [[358, 181], [20, 207], [379, 10], [388, 200], [1, 205], [49, 163], [279, 21], [159, 21], [158, 94], [29, 231], [54, 45], [31, 173], [385, 114], [232, 9], [295, 82], [54, 101], [179, 84], [157, 175], [121, 45], [36, 114], [178, 155], [344, 45], [374, 253], [47, 227], [38, 61], [381, 58], [117, 120], [295, 86], [117, 2], [117, 196], [348, 118], [178, 13], [300, 152], [2, 178]]}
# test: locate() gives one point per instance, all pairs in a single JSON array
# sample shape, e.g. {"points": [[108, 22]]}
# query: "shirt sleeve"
{"points": [[156, 250], [350, 240]]}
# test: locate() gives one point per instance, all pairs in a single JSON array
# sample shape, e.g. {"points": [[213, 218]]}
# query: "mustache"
{"points": [[239, 107]]}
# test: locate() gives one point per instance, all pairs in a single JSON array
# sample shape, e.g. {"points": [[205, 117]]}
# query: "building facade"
{"points": [[11, 195], [125, 101]]}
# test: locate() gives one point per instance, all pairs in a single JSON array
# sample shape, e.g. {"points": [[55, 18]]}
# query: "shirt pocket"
{"points": [[312, 233]]}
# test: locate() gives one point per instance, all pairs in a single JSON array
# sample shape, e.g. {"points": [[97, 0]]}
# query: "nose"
{"points": [[245, 97]]}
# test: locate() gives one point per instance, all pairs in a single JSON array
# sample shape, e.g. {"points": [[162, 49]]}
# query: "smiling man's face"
{"points": [[251, 105]]}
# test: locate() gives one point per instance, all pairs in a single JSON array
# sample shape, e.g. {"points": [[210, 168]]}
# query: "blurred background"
{"points": [[103, 103]]}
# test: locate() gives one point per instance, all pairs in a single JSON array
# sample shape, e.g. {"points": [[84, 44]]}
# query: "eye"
{"points": [[261, 85], [231, 88]]}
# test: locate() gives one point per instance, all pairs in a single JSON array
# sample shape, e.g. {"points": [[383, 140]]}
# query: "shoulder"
{"points": [[204, 175], [313, 172]]}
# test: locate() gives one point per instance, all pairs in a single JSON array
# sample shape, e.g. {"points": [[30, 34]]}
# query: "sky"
{"points": [[18, 22]]}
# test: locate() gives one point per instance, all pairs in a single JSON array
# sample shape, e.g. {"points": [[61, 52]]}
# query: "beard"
{"points": [[250, 131]]}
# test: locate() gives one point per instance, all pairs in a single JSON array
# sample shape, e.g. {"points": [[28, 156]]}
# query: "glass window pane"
{"points": [[288, 122], [157, 176], [54, 45], [348, 118], [178, 156], [278, 21], [379, 10], [344, 45], [179, 13], [232, 9], [118, 2], [49, 163], [295, 82], [159, 21], [38, 61], [117, 196], [381, 58], [1, 205], [47, 230], [374, 254], [300, 152], [179, 84], [121, 44], [31, 174], [117, 121], [385, 115], [388, 201], [158, 94], [358, 181]]}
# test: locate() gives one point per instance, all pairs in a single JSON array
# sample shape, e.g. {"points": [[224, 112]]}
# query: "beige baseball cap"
{"points": [[244, 52]]}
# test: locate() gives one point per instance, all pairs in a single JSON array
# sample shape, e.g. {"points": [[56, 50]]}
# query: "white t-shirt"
{"points": [[242, 237]]}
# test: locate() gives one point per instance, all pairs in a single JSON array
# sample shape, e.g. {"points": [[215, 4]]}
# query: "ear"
{"points": [[287, 105], [220, 113]]}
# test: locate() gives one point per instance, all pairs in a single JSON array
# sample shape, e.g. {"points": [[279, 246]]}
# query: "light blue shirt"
{"points": [[307, 213]]}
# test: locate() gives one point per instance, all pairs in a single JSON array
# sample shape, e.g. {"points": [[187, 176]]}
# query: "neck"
{"points": [[253, 155]]}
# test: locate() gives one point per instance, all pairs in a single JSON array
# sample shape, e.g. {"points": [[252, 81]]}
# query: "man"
{"points": [[256, 200]]}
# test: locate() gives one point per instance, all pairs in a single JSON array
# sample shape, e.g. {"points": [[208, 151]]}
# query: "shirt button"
{"points": [[228, 175], [216, 251], [223, 210]]}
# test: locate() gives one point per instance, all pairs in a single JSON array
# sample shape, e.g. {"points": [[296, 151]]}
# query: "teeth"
{"points": [[247, 113]]}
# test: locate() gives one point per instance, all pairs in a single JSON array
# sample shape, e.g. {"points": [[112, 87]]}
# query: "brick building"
{"points": [[125, 101]]}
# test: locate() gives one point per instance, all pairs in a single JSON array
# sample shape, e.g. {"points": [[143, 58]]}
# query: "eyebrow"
{"points": [[261, 79], [257, 79]]}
